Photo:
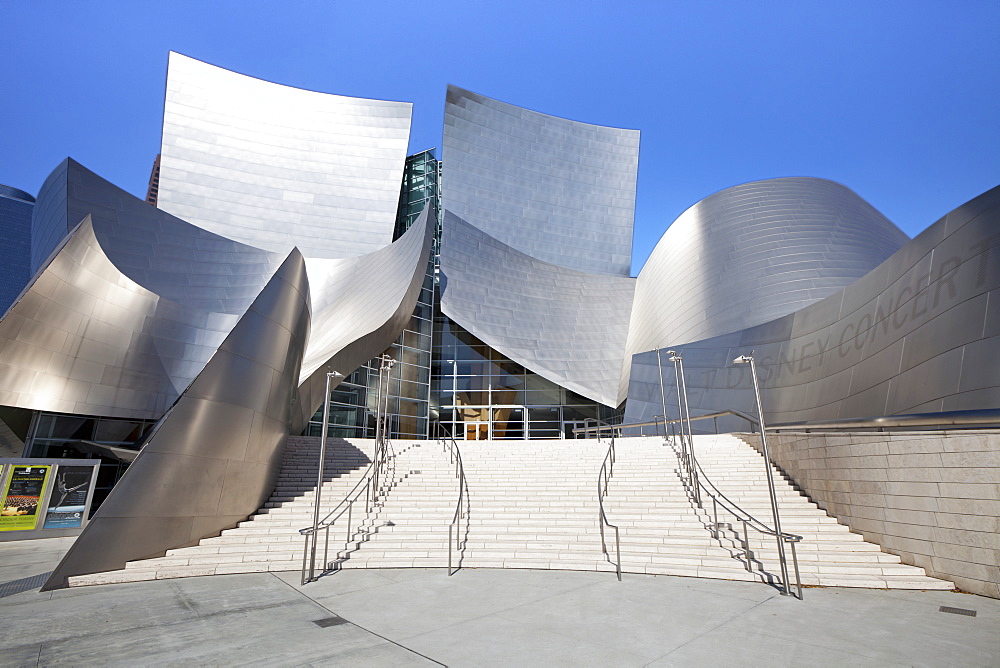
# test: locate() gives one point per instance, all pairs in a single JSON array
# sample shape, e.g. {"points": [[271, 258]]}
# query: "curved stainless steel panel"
{"points": [[919, 333], [565, 325], [753, 253], [560, 191], [128, 311], [213, 458], [49, 222], [276, 167], [360, 305]]}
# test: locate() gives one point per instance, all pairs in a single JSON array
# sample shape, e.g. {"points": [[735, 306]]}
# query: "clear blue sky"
{"points": [[897, 100]]}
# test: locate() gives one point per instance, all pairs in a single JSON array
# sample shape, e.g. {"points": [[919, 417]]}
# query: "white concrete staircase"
{"points": [[663, 531], [533, 505]]}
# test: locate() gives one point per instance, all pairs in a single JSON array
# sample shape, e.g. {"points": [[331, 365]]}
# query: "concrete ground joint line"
{"points": [[714, 628], [366, 630], [188, 604]]}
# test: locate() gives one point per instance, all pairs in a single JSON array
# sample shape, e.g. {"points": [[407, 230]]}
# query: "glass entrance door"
{"points": [[476, 431]]}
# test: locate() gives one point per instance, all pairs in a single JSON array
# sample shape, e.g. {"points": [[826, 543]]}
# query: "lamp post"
{"points": [[381, 410], [322, 460], [683, 410], [748, 359], [663, 394]]}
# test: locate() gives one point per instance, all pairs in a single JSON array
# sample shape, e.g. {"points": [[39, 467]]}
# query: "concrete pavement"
{"points": [[484, 617]]}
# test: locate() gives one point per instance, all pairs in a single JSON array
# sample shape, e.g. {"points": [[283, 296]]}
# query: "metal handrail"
{"points": [[455, 457], [986, 417], [346, 505], [965, 419], [603, 478], [656, 423], [745, 518], [372, 478]]}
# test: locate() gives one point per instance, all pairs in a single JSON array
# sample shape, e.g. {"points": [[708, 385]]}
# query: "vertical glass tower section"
{"points": [[15, 243], [458, 383], [352, 403]]}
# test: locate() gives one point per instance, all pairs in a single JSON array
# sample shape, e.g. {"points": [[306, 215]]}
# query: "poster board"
{"points": [[23, 493], [42, 498]]}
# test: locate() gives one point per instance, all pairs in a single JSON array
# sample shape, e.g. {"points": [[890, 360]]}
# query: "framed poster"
{"points": [[21, 499], [67, 506]]}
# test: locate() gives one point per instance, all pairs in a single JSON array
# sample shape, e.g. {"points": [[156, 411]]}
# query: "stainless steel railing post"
{"points": [[686, 416], [746, 546], [319, 472], [715, 518], [795, 562]]}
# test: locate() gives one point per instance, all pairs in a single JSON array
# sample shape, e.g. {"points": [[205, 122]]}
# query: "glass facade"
{"points": [[479, 394], [352, 404], [15, 243], [459, 383], [56, 435]]}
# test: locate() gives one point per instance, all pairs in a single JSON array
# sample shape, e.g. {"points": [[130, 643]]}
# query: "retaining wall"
{"points": [[933, 498]]}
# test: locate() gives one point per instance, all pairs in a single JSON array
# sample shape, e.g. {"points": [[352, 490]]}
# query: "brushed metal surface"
{"points": [[558, 190], [127, 311], [360, 306], [917, 334], [278, 167], [752, 253], [567, 326], [197, 473]]}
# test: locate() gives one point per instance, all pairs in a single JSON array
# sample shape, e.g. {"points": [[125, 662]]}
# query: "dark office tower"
{"points": [[152, 193], [15, 243]]}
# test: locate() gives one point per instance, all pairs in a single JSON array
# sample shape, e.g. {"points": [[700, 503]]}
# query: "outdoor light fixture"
{"points": [[684, 415], [748, 359]]}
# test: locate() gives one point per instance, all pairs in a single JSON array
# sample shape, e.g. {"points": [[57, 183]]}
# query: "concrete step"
{"points": [[534, 505]]}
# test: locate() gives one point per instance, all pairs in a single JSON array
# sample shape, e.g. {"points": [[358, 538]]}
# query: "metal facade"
{"points": [[281, 266], [212, 460], [360, 305], [753, 253], [560, 191], [919, 333], [279, 167], [129, 308], [565, 325]]}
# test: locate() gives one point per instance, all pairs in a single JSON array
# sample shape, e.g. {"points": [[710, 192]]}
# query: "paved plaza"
{"points": [[404, 617]]}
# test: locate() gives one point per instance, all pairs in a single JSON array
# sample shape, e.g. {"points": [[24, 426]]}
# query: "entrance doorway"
{"points": [[476, 431]]}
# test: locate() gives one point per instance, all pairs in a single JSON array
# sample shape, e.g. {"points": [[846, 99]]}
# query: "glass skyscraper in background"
{"points": [[15, 243]]}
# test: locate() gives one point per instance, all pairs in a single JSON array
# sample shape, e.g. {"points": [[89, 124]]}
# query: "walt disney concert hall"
{"points": [[289, 250]]}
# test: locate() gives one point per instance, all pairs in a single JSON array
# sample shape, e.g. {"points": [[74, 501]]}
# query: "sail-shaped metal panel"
{"points": [[275, 167], [565, 325], [558, 190]]}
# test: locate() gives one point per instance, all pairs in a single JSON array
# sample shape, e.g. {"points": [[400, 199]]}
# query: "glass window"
{"points": [[119, 431], [65, 426]]}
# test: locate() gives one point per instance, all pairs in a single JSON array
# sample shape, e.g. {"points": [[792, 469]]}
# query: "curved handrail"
{"points": [[603, 478], [326, 521], [757, 524], [455, 457], [346, 505], [745, 518], [604, 426]]}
